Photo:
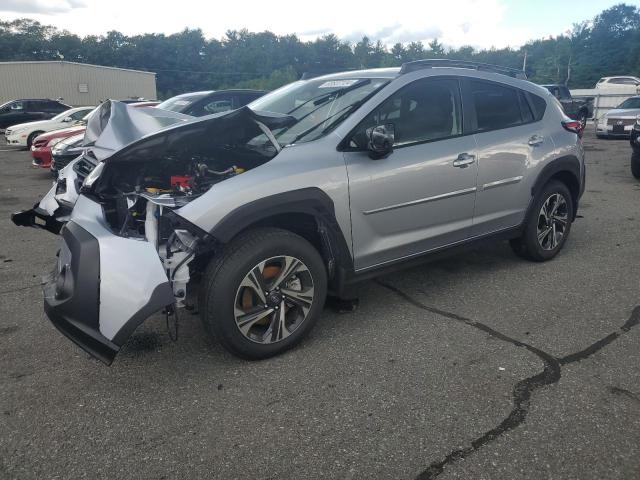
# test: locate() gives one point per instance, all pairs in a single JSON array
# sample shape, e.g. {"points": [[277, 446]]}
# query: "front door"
{"points": [[420, 197]]}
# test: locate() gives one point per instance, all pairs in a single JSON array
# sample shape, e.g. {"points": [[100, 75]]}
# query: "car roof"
{"points": [[617, 76], [369, 73], [36, 99], [189, 94]]}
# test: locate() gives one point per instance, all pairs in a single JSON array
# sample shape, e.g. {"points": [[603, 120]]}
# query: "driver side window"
{"points": [[423, 111]]}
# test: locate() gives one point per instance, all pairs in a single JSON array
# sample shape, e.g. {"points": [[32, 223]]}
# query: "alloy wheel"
{"points": [[552, 221], [273, 299]]}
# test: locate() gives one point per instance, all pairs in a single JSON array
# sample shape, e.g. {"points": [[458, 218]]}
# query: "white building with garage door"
{"points": [[76, 84]]}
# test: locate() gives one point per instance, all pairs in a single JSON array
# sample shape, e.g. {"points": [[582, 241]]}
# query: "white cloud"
{"points": [[455, 22], [42, 7]]}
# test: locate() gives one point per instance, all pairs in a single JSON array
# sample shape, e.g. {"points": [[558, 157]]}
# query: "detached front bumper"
{"points": [[72, 293], [103, 286], [38, 218]]}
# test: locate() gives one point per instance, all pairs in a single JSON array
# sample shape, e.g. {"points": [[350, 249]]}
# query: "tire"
{"points": [[635, 164], [528, 245], [227, 294], [32, 137]]}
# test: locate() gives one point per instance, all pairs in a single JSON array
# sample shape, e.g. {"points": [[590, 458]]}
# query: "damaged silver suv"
{"points": [[255, 215]]}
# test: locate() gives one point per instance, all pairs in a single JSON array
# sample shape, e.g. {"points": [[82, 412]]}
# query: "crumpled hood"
{"points": [[623, 112], [115, 124], [118, 131]]}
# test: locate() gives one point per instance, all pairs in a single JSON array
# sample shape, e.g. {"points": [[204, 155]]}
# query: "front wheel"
{"points": [[635, 164], [548, 225], [31, 138], [264, 293]]}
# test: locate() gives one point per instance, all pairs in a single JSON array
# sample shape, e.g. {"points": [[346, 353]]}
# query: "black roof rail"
{"points": [[445, 62]]}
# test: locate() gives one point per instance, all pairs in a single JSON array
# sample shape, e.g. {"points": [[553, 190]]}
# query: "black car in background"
{"points": [[207, 102], [635, 154], [574, 108], [29, 110]]}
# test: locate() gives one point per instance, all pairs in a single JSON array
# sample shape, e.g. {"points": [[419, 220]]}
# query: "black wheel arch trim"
{"points": [[567, 163], [311, 201]]}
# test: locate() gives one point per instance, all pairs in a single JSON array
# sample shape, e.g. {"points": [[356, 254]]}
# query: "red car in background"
{"points": [[41, 147]]}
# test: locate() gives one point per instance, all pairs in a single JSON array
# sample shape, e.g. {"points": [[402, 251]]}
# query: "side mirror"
{"points": [[380, 141], [67, 119]]}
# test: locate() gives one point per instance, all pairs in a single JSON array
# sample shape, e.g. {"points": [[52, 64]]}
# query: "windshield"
{"points": [[318, 106], [181, 102], [630, 103]]}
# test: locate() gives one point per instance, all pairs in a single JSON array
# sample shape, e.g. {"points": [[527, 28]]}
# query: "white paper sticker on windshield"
{"points": [[337, 83]]}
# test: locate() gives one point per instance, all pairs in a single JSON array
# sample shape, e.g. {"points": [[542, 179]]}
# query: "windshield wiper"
{"points": [[344, 111]]}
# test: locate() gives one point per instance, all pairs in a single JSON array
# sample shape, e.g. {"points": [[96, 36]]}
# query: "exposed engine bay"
{"points": [[140, 196], [145, 181], [140, 165]]}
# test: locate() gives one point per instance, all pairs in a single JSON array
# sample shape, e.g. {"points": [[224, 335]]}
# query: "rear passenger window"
{"points": [[496, 106]]}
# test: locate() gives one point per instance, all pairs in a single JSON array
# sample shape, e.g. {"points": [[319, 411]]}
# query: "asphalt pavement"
{"points": [[480, 366]]}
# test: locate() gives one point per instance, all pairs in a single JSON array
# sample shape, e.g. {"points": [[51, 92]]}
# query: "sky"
{"points": [[479, 23]]}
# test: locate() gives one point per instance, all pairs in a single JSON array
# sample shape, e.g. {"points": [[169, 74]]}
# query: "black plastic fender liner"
{"points": [[569, 164], [311, 201]]}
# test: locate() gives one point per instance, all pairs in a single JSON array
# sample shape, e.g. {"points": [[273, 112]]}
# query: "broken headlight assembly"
{"points": [[92, 177]]}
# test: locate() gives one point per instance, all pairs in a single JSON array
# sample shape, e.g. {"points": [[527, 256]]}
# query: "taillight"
{"points": [[573, 126]]}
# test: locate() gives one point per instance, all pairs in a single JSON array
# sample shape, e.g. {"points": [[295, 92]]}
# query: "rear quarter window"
{"points": [[538, 105]]}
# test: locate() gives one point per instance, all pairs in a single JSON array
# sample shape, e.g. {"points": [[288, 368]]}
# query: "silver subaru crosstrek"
{"points": [[254, 216]]}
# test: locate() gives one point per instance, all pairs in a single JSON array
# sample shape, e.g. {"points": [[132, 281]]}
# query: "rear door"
{"points": [[36, 110], [510, 140], [421, 196]]}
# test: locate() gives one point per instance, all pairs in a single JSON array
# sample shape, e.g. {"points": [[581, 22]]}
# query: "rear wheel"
{"points": [[264, 293], [548, 225], [635, 164]]}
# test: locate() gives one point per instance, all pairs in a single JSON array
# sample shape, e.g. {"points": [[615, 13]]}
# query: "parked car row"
{"points": [[47, 131]]}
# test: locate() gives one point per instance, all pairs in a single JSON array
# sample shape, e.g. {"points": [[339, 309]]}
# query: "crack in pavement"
{"points": [[19, 289], [522, 390]]}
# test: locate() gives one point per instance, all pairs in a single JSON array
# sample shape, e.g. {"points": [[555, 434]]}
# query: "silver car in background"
{"points": [[254, 216], [620, 121]]}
